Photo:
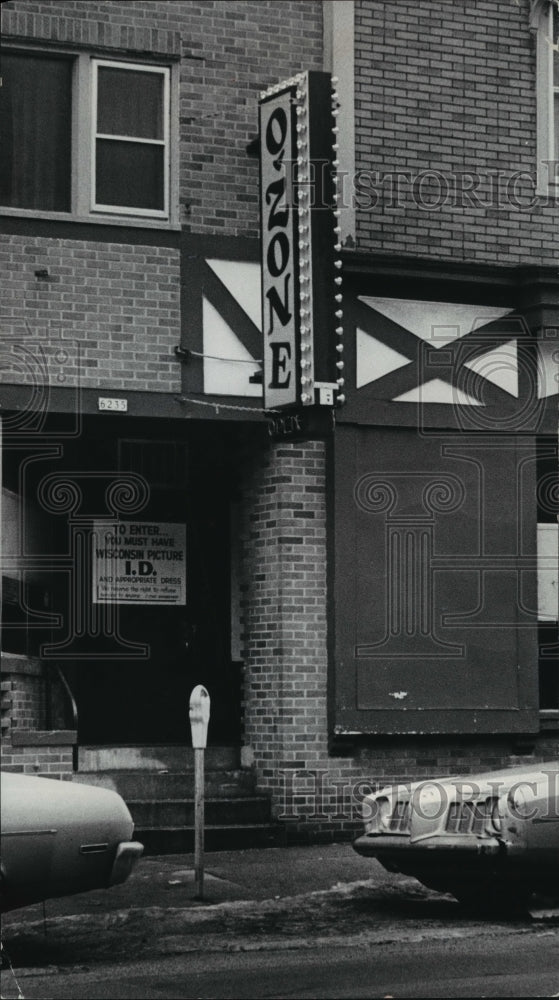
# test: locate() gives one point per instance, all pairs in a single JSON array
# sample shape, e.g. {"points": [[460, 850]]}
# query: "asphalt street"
{"points": [[514, 964], [275, 907]]}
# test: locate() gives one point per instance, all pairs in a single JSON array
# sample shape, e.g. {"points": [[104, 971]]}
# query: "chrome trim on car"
{"points": [[93, 848], [400, 820], [470, 816]]}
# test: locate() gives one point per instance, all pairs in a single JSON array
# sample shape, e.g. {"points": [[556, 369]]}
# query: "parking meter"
{"points": [[199, 716], [199, 712]]}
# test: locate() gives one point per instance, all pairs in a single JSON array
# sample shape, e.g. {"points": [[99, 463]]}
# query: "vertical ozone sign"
{"points": [[279, 228], [138, 562], [300, 243]]}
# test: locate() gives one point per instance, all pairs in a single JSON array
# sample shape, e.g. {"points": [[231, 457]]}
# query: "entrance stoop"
{"points": [[157, 784]]}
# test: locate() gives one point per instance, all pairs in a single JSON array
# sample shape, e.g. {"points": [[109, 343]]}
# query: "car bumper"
{"points": [[377, 845], [128, 853]]}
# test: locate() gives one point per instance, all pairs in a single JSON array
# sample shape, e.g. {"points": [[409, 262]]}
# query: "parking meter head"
{"points": [[199, 716]]}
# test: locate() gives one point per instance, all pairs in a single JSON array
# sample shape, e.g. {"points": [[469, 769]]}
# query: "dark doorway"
{"points": [[132, 667]]}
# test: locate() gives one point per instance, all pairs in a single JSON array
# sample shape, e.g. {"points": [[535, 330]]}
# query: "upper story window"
{"points": [[90, 137], [131, 138], [36, 121], [545, 20]]}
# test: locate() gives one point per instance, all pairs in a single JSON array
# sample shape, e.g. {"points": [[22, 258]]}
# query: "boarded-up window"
{"points": [[435, 582]]}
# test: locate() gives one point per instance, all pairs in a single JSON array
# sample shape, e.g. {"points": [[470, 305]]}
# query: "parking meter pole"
{"points": [[199, 753], [199, 718]]}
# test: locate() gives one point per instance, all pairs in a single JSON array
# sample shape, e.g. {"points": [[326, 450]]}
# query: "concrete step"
{"points": [[158, 785], [155, 814], [155, 758]]}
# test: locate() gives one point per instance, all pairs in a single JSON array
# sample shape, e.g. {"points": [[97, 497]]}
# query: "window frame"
{"points": [[162, 71], [545, 13], [83, 123]]}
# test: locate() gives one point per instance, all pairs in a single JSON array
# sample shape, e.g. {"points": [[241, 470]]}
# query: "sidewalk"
{"points": [[287, 897], [255, 874]]}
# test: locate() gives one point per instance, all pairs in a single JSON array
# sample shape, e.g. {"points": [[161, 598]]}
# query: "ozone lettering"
{"points": [[278, 247]]}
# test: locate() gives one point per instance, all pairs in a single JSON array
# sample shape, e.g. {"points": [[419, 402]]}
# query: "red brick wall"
{"points": [[51, 762], [446, 95], [28, 704], [112, 308], [23, 714], [284, 608]]}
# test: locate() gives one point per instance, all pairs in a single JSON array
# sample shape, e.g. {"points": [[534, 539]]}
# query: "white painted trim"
{"points": [[97, 219], [542, 22], [548, 561], [173, 171], [91, 131], [80, 138], [129, 138], [339, 60], [164, 72]]}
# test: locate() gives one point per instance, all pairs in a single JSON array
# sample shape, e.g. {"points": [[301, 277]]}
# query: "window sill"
{"points": [[20, 663], [43, 737], [127, 221]]}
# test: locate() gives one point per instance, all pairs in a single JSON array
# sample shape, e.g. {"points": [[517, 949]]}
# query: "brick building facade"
{"points": [[446, 134], [369, 594]]}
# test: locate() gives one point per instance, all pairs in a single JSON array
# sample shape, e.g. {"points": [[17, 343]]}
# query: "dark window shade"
{"points": [[35, 123], [549, 665], [129, 174], [129, 103]]}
